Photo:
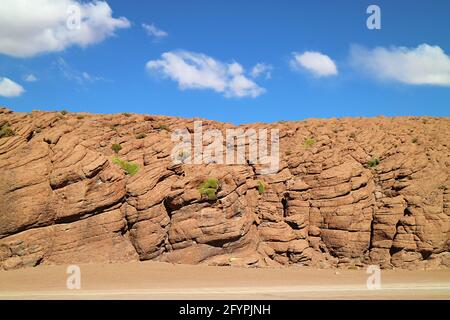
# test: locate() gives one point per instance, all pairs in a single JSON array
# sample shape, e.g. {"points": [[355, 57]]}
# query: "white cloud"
{"points": [[9, 88], [262, 69], [153, 31], [30, 78], [28, 28], [320, 65], [424, 65], [198, 71], [81, 77]]}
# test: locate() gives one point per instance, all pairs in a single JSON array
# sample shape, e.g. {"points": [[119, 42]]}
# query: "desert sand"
{"points": [[155, 280]]}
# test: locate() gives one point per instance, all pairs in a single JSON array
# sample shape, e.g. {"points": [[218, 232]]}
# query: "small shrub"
{"points": [[182, 156], [209, 188], [64, 112], [261, 187], [130, 168], [288, 153], [126, 114], [310, 142], [352, 135], [6, 131], [116, 147], [414, 140], [80, 117], [141, 136], [373, 162], [163, 127]]}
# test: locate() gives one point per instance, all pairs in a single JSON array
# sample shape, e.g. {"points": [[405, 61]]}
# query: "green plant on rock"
{"points": [[6, 131], [310, 142], [80, 117], [373, 162], [163, 127], [209, 188], [141, 136], [126, 114], [182, 156], [64, 112], [130, 168], [261, 187], [116, 147]]}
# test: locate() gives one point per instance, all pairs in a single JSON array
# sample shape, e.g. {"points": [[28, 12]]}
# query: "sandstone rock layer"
{"points": [[64, 200]]}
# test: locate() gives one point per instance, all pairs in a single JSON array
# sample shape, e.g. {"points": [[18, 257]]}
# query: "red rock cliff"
{"points": [[64, 200]]}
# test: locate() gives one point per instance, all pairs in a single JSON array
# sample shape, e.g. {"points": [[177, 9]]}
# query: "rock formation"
{"points": [[348, 193]]}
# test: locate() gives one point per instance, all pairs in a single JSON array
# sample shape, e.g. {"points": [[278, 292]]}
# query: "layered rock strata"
{"points": [[64, 200]]}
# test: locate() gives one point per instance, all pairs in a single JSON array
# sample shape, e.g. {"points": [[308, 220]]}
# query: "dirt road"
{"points": [[151, 280]]}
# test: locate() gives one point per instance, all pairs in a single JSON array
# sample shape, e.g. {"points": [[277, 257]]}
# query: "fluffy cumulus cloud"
{"points": [[9, 88], [319, 64], [28, 28], [198, 71], [154, 32], [424, 65], [262, 69]]}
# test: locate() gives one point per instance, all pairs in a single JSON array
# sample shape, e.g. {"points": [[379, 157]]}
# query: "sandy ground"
{"points": [[152, 280]]}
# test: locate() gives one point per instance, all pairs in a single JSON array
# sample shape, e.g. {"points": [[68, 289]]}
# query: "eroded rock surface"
{"points": [[63, 200]]}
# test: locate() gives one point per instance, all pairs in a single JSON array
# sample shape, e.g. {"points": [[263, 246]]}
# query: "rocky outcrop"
{"points": [[348, 192]]}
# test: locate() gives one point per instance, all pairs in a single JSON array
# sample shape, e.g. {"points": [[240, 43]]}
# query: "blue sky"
{"points": [[107, 70]]}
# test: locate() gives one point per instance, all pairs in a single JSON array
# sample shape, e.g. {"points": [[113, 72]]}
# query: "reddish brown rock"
{"points": [[64, 200]]}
